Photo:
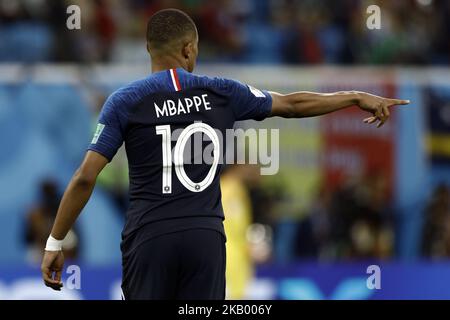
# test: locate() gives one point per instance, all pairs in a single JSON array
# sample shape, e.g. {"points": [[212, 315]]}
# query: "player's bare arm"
{"points": [[75, 198], [310, 104]]}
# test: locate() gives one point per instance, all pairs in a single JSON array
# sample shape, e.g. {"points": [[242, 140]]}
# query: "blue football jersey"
{"points": [[156, 118]]}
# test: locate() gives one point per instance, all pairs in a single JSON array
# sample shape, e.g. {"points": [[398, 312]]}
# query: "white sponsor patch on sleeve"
{"points": [[257, 93], [97, 133]]}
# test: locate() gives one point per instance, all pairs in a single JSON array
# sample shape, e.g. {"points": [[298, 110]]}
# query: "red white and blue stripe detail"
{"points": [[175, 80]]}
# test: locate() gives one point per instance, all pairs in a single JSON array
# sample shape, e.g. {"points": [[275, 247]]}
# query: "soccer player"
{"points": [[173, 241]]}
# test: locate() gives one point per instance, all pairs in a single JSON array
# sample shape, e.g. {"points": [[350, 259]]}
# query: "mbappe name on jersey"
{"points": [[182, 106]]}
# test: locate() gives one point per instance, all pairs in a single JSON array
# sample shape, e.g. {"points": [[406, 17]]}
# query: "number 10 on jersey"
{"points": [[178, 160]]}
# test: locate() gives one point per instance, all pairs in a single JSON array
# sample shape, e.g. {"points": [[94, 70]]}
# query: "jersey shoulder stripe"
{"points": [[175, 79]]}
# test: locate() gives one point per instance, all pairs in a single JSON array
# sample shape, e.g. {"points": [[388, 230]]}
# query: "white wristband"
{"points": [[53, 244]]}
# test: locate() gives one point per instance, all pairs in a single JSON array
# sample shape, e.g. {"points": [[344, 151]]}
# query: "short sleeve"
{"points": [[109, 134], [248, 102]]}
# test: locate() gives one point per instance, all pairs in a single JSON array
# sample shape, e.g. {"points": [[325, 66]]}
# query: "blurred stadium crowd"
{"points": [[354, 221], [246, 31]]}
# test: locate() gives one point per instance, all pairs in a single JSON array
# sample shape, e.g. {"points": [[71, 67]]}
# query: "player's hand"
{"points": [[378, 107], [52, 266]]}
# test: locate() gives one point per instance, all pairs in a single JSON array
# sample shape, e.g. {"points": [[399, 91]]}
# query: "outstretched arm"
{"points": [[75, 198], [310, 104]]}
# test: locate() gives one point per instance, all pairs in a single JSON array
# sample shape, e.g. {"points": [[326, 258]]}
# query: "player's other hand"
{"points": [[378, 107], [52, 266]]}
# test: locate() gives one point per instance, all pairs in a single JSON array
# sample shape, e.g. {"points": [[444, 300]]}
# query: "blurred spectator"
{"points": [[219, 23], [436, 230], [352, 222], [238, 217], [39, 223], [313, 235], [362, 216]]}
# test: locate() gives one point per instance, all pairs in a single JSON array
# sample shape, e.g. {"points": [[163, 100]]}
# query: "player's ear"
{"points": [[187, 50]]}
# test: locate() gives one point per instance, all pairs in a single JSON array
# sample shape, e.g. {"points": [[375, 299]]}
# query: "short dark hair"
{"points": [[169, 26]]}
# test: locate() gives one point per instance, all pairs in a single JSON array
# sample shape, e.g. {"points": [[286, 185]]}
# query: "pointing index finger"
{"points": [[393, 102]]}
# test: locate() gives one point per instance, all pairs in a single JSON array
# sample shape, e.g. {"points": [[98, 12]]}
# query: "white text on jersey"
{"points": [[182, 106]]}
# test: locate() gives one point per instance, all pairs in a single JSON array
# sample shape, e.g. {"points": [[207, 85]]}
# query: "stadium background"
{"points": [[347, 195]]}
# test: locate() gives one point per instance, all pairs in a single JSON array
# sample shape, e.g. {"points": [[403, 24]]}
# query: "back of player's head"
{"points": [[168, 28]]}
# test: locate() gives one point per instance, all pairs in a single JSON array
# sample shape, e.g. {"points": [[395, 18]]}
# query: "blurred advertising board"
{"points": [[353, 149], [302, 281]]}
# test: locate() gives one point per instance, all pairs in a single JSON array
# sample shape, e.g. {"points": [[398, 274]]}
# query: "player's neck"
{"points": [[166, 64]]}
